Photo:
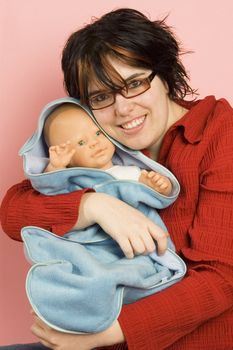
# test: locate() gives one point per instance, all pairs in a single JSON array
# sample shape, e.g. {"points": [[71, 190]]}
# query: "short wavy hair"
{"points": [[131, 37]]}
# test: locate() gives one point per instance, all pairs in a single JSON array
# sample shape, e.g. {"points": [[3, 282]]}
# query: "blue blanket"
{"points": [[78, 283]]}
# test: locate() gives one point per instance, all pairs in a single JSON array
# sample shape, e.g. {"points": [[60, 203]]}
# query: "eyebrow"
{"points": [[133, 76]]}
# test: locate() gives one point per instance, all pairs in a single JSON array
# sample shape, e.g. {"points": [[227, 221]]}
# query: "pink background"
{"points": [[31, 39]]}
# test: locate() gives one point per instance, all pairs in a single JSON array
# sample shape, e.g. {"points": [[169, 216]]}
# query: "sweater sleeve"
{"points": [[205, 295], [23, 206]]}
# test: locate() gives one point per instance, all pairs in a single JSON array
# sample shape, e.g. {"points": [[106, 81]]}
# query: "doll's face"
{"points": [[92, 148]]}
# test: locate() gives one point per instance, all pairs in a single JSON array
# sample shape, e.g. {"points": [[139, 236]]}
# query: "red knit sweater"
{"points": [[196, 313]]}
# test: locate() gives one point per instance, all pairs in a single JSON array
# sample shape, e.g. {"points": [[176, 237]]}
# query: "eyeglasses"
{"points": [[133, 88]]}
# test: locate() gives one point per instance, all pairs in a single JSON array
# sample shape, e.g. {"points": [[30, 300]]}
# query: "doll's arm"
{"points": [[156, 181]]}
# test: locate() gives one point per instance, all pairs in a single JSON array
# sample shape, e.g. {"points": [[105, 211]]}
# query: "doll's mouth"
{"points": [[99, 152]]}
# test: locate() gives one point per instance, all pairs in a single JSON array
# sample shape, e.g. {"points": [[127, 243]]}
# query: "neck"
{"points": [[154, 150]]}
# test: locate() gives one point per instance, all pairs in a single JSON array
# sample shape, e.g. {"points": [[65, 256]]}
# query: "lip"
{"points": [[99, 152]]}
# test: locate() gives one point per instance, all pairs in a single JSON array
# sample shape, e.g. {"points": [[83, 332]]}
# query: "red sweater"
{"points": [[196, 313]]}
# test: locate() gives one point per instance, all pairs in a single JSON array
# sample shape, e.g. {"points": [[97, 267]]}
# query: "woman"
{"points": [[126, 68]]}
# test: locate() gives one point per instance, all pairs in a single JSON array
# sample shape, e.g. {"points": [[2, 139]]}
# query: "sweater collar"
{"points": [[195, 120]]}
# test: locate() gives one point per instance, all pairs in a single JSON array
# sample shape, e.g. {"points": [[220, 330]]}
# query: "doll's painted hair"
{"points": [[129, 36]]}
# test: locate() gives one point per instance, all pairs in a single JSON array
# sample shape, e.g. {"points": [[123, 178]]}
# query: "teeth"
{"points": [[133, 124]]}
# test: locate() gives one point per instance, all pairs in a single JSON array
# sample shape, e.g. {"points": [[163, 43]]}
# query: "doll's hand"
{"points": [[132, 230], [56, 340], [156, 181], [60, 156]]}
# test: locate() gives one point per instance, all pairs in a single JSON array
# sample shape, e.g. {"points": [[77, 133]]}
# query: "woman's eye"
{"points": [[135, 84], [98, 133], [81, 143], [101, 97]]}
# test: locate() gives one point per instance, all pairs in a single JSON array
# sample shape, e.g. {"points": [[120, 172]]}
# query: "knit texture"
{"points": [[22, 204]]}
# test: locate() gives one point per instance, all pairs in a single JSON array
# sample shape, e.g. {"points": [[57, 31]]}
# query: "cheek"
{"points": [[111, 148], [78, 158], [103, 118]]}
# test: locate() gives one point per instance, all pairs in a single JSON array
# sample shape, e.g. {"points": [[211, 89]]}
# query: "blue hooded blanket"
{"points": [[78, 282]]}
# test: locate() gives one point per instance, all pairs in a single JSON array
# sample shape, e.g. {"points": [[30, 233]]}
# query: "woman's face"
{"points": [[141, 121]]}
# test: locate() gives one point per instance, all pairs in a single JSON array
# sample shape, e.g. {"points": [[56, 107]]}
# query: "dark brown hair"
{"points": [[131, 37]]}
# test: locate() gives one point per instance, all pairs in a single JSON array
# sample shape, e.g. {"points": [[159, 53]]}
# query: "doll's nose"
{"points": [[93, 142]]}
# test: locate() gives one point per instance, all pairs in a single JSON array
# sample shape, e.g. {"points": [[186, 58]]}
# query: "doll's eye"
{"points": [[99, 132], [81, 143]]}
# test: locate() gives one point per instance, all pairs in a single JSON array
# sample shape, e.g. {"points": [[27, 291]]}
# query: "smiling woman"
{"points": [[194, 139]]}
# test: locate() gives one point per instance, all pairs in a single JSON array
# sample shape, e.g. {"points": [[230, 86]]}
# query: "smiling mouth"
{"points": [[133, 124]]}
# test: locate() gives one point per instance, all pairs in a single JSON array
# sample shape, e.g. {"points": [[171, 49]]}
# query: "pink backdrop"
{"points": [[31, 39]]}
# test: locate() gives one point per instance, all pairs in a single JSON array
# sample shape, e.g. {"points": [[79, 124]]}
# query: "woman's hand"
{"points": [[65, 341], [132, 230]]}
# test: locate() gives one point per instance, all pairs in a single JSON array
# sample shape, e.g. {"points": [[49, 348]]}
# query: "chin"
{"points": [[137, 146]]}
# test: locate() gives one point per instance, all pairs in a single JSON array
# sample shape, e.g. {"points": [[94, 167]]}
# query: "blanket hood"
{"points": [[35, 157]]}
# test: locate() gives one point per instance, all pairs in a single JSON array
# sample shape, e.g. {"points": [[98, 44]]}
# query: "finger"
{"points": [[52, 149], [63, 145], [48, 345], [39, 322], [160, 181], [137, 244], [126, 248], [164, 186], [149, 243], [68, 143], [41, 325], [40, 332], [161, 238], [57, 149], [71, 151], [153, 175], [155, 178]]}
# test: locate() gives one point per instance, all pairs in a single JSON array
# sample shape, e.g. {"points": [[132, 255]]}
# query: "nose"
{"points": [[123, 106], [93, 142]]}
